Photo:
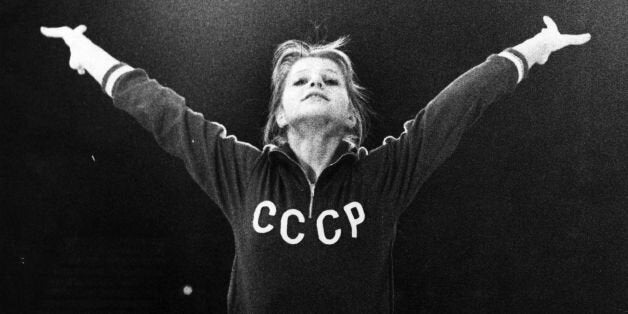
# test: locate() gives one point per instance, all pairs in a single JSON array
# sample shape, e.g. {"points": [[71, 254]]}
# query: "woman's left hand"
{"points": [[538, 48]]}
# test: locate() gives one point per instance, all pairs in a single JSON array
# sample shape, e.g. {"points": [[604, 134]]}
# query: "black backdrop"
{"points": [[529, 215]]}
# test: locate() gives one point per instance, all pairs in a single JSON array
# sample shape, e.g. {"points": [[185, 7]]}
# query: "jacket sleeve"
{"points": [[397, 169], [220, 164]]}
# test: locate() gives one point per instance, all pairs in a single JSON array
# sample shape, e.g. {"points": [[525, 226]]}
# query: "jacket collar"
{"points": [[344, 151]]}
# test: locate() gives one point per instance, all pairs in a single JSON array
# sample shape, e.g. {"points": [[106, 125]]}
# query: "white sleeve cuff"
{"points": [[113, 78], [518, 63]]}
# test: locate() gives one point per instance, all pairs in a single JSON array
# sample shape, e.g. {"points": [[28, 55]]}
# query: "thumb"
{"points": [[551, 25], [80, 29]]}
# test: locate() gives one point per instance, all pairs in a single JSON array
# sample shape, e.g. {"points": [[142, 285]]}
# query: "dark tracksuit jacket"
{"points": [[313, 248]]}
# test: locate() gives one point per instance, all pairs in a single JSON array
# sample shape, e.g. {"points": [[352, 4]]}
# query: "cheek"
{"points": [[346, 103], [288, 99]]}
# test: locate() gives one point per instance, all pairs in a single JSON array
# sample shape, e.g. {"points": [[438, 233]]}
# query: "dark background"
{"points": [[529, 215]]}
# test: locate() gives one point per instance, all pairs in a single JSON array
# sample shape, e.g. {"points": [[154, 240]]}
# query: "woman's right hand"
{"points": [[78, 43], [85, 56]]}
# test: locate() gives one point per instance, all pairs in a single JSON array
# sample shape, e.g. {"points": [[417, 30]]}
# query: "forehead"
{"points": [[315, 64]]}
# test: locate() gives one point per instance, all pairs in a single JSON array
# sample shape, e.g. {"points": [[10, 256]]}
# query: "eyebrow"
{"points": [[327, 70]]}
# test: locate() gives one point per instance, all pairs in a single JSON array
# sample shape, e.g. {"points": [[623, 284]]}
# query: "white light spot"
{"points": [[22, 260], [93, 158], [187, 290], [192, 141]]}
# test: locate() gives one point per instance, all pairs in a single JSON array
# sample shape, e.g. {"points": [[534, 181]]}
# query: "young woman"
{"points": [[314, 215]]}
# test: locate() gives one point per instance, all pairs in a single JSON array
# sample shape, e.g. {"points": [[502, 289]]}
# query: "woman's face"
{"points": [[315, 91]]}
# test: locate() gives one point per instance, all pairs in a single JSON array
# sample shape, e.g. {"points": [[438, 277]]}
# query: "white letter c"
{"points": [[272, 209], [321, 229]]}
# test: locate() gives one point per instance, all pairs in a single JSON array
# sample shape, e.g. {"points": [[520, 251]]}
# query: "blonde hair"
{"points": [[285, 57]]}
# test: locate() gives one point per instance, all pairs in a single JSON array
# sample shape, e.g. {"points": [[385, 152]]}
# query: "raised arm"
{"points": [[220, 164], [433, 135]]}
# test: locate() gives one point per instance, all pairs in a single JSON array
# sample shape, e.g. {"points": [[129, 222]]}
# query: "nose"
{"points": [[316, 82]]}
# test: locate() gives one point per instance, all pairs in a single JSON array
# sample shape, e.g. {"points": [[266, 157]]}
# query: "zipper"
{"points": [[312, 188], [312, 185]]}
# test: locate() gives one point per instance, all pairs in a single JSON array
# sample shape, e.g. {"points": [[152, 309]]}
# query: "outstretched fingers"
{"points": [[65, 32], [575, 39], [56, 32]]}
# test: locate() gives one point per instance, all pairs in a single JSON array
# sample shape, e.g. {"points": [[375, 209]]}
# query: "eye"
{"points": [[299, 82], [331, 82]]}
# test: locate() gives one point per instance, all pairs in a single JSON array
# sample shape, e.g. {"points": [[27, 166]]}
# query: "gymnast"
{"points": [[313, 213]]}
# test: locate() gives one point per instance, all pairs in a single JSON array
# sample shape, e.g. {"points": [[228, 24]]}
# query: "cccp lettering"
{"points": [[353, 211]]}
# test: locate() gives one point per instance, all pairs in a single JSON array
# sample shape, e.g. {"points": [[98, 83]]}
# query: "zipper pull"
{"points": [[312, 188]]}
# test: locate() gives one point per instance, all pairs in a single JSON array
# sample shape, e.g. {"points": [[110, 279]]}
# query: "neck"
{"points": [[314, 149]]}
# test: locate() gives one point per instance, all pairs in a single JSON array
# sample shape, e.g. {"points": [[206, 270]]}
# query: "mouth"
{"points": [[316, 94]]}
